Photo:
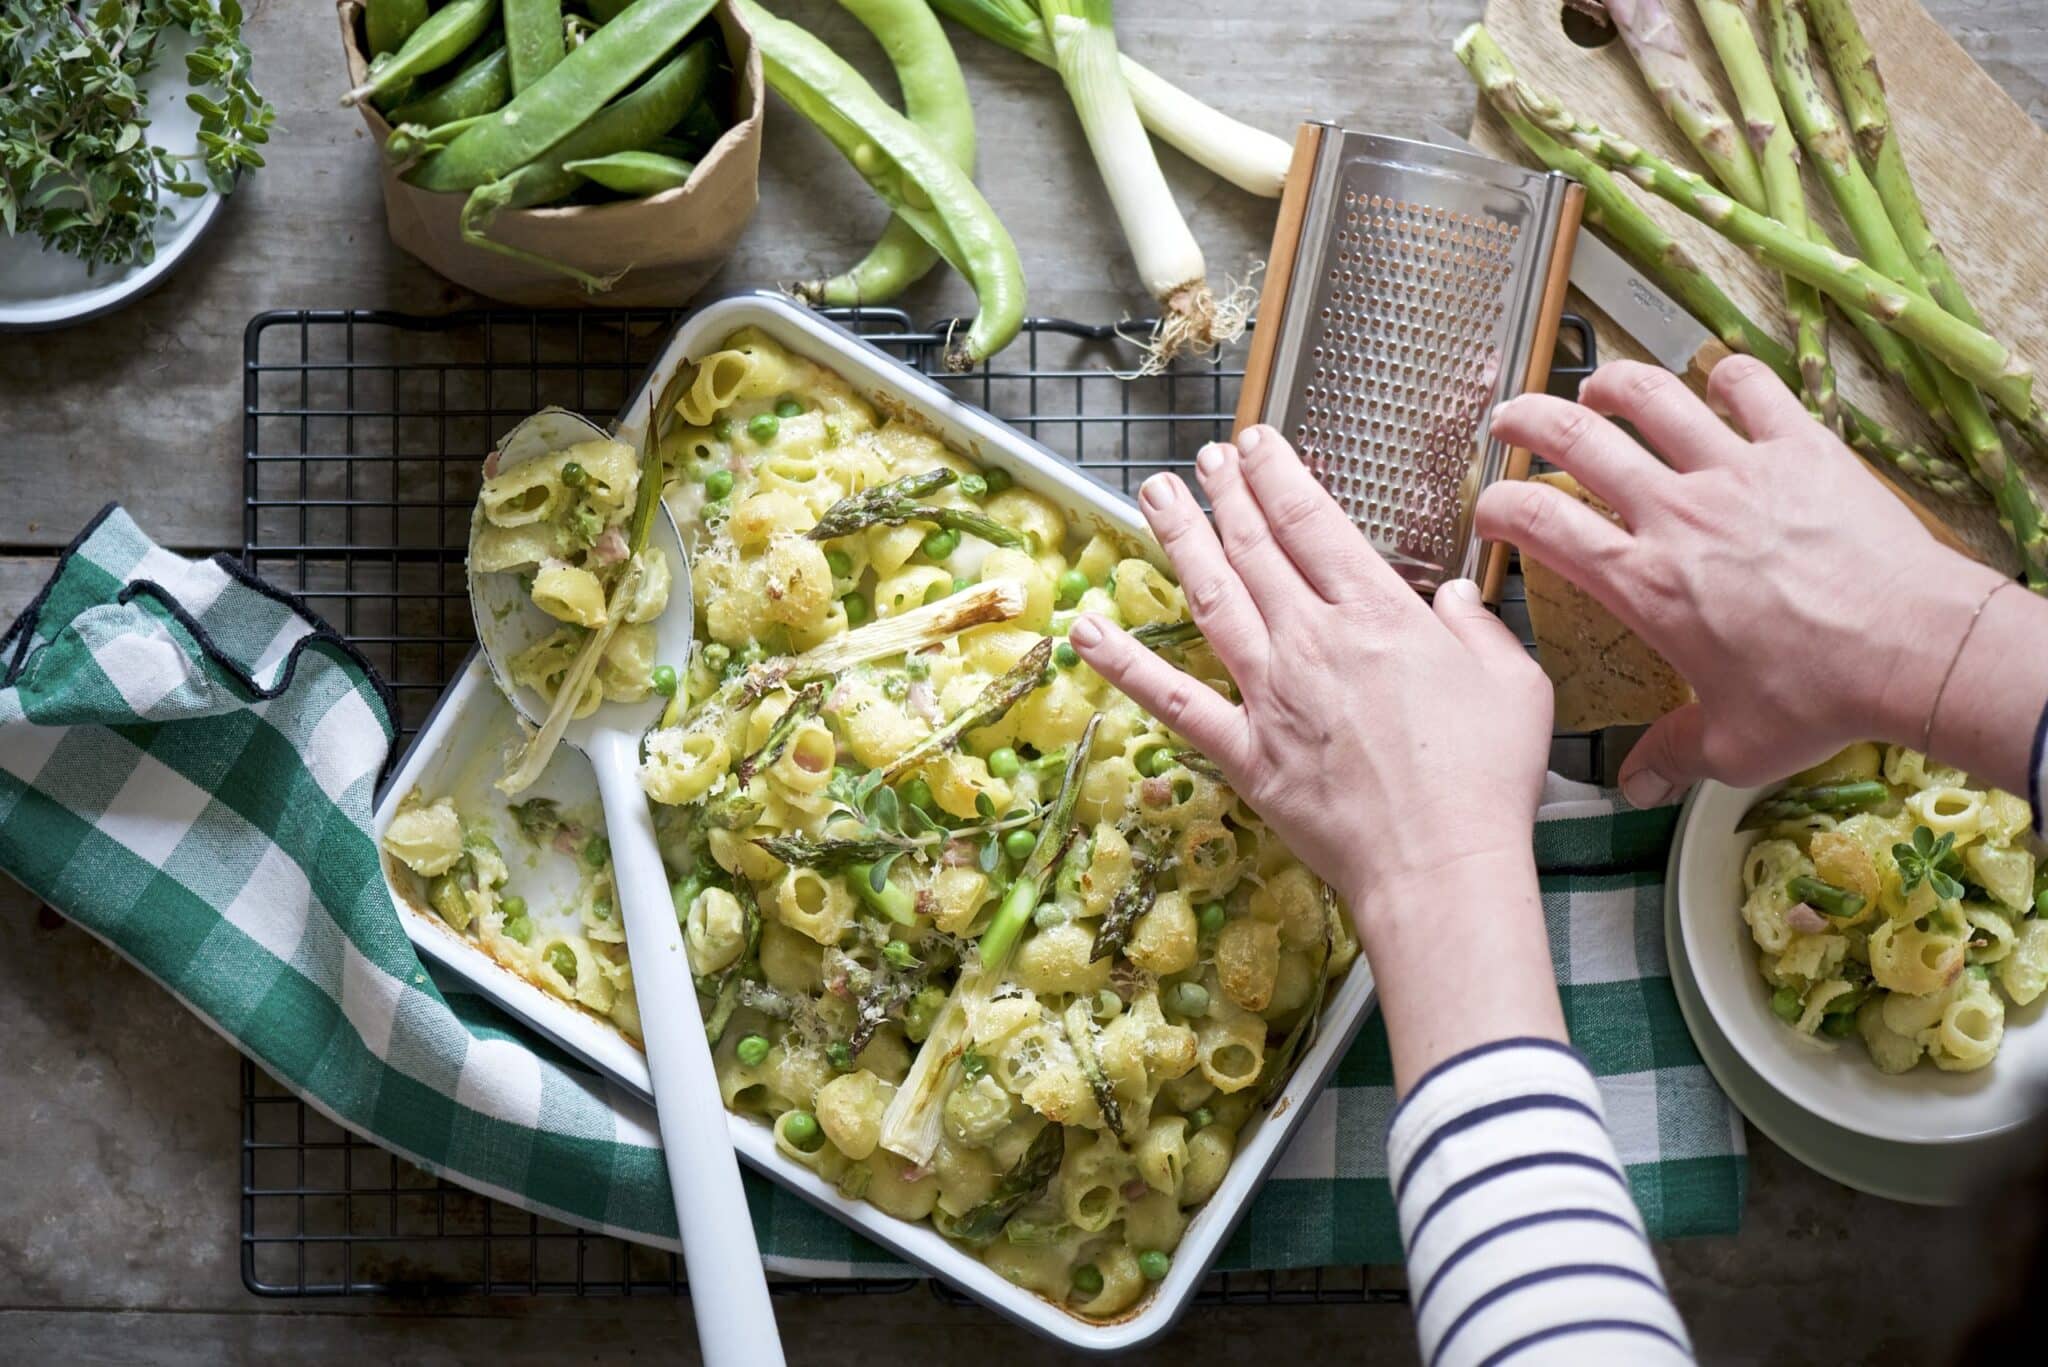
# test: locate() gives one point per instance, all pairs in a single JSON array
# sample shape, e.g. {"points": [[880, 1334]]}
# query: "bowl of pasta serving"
{"points": [[995, 967], [1869, 936]]}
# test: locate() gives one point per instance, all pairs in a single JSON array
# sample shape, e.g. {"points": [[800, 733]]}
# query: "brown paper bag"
{"points": [[666, 245]]}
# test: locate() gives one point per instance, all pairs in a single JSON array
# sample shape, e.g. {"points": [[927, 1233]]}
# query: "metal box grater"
{"points": [[1410, 289]]}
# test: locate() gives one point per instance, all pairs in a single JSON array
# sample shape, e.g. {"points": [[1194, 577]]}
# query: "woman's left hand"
{"points": [[1398, 748]]}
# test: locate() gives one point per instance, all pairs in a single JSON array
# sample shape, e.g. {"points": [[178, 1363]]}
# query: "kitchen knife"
{"points": [[1678, 341]]}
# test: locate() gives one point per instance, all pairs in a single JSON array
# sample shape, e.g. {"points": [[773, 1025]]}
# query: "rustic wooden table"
{"points": [[119, 1112]]}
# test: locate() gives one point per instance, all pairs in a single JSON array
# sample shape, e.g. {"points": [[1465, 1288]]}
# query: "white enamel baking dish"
{"points": [[462, 722]]}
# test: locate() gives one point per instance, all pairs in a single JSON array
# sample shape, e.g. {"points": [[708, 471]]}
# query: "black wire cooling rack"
{"points": [[364, 433]]}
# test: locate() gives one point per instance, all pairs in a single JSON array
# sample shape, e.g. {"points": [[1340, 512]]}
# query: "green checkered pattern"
{"points": [[187, 765]]}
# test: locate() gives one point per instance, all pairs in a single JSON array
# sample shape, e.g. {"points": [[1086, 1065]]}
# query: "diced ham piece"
{"points": [[916, 1172], [924, 702], [568, 838], [1135, 1189], [959, 854], [611, 547], [1155, 792], [1806, 920]]}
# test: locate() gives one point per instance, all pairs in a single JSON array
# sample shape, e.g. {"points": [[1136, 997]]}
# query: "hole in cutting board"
{"points": [[1585, 22]]}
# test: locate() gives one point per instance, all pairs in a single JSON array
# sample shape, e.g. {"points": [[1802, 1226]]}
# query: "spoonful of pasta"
{"points": [[581, 595]]}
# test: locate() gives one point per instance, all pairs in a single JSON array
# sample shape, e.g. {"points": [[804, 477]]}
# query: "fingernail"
{"points": [[1646, 788], [1156, 492], [1464, 590], [1084, 633], [1209, 459], [1249, 439]]}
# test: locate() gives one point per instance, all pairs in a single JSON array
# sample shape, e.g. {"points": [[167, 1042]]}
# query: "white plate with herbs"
{"points": [[44, 286]]}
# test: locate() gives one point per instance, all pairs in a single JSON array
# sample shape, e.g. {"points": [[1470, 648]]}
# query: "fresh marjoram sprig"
{"points": [[78, 168]]}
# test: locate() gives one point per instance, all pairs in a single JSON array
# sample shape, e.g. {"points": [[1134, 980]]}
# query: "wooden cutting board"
{"points": [[1980, 164]]}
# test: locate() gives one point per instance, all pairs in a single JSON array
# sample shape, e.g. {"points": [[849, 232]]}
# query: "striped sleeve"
{"points": [[1524, 1243], [2037, 774]]}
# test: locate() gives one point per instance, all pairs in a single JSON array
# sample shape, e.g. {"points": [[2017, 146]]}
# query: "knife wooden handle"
{"points": [[1714, 352]]}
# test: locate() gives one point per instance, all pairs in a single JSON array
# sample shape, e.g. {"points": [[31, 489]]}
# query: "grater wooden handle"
{"points": [[1258, 365], [1542, 347]]}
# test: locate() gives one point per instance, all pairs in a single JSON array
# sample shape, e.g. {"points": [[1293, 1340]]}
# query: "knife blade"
{"points": [[1677, 339]]}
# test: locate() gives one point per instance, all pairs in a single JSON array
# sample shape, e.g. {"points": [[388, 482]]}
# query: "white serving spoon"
{"points": [[728, 1287]]}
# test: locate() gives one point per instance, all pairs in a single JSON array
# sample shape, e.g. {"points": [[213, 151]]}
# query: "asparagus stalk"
{"points": [[1163, 635], [1055, 833], [1861, 85], [1793, 804], [1687, 97], [1132, 900], [994, 703], [1615, 212], [1016, 1189], [1080, 1031], [725, 995], [895, 503], [1784, 194], [829, 854], [1971, 352], [1825, 898], [800, 710], [1827, 144]]}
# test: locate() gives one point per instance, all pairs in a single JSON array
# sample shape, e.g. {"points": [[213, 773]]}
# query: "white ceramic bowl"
{"points": [[1835, 1082], [464, 730]]}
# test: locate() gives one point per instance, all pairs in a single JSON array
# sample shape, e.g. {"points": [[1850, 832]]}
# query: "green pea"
{"points": [[839, 1055], [1154, 1264], [916, 792], [1019, 844], [1785, 1003], [598, 852], [1072, 584], [1200, 1118], [856, 608], [1839, 1027], [562, 959], [1191, 999], [896, 688], [788, 407], [1183, 788], [1065, 656], [663, 678], [917, 667], [941, 543], [519, 928], [1154, 760], [1211, 917], [921, 1012], [762, 427], [717, 656], [718, 484], [1048, 915], [962, 585], [1003, 762], [840, 563], [512, 906], [574, 475], [752, 1050], [721, 428], [1087, 1280], [974, 487], [997, 480], [800, 1128]]}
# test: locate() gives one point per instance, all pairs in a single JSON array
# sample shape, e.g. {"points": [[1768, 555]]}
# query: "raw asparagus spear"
{"points": [[1971, 352], [1861, 86], [1615, 212], [1784, 195], [895, 503], [1790, 804], [1687, 98], [1827, 144]]}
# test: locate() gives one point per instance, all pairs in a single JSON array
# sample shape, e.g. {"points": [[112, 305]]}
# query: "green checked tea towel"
{"points": [[188, 760]]}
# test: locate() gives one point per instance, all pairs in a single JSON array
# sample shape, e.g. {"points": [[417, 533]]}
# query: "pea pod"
{"points": [[604, 11], [935, 99], [433, 45], [388, 23], [479, 88], [701, 126], [632, 121], [411, 141], [905, 168], [560, 102], [534, 37], [634, 172]]}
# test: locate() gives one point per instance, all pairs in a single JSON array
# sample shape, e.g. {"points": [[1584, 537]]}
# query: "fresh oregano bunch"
{"points": [[78, 168], [1923, 860]]}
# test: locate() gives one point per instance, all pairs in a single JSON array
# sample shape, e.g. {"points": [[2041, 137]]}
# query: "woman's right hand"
{"points": [[1803, 603]]}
